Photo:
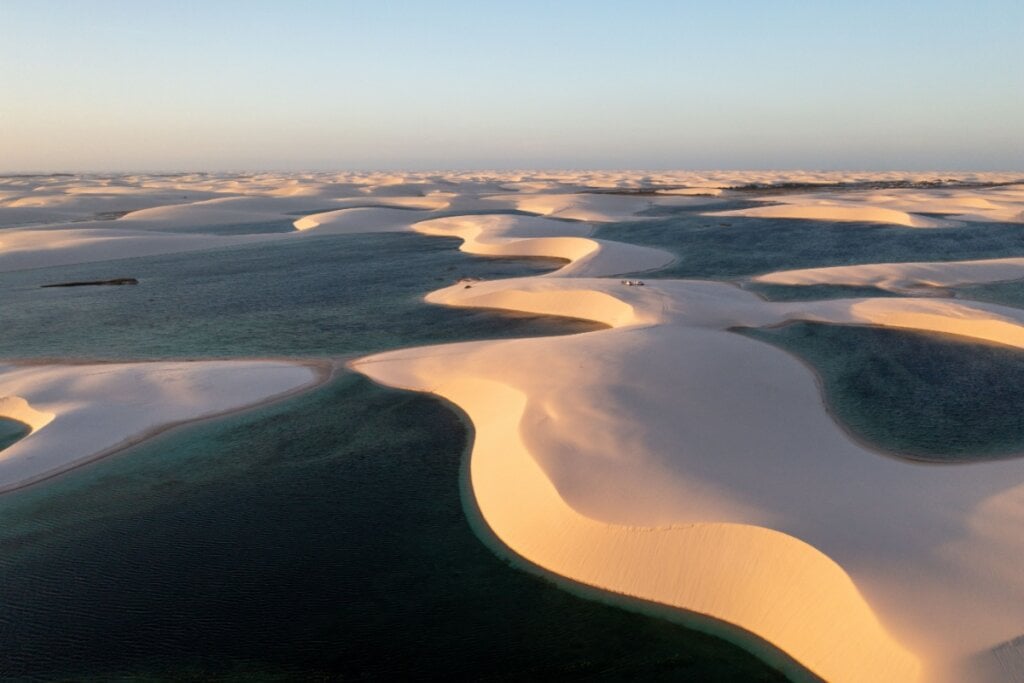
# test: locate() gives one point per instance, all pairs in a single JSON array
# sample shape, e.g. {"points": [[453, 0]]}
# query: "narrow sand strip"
{"points": [[180, 228], [549, 466], [666, 458], [592, 450], [839, 212], [25, 249], [359, 220], [79, 413], [369, 202], [596, 208], [903, 277], [503, 235], [913, 208]]}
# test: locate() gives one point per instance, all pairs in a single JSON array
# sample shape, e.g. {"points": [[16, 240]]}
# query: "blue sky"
{"points": [[109, 85]]}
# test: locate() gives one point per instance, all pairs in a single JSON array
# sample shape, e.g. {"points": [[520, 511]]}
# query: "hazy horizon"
{"points": [[105, 87]]}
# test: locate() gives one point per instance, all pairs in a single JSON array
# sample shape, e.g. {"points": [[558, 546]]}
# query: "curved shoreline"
{"points": [[702, 567], [703, 623], [681, 328], [905, 278], [918, 314], [323, 371], [860, 440]]}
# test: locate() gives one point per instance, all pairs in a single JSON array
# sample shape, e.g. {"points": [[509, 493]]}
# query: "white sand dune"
{"points": [[913, 208], [500, 235], [198, 203], [840, 212], [665, 458], [169, 225], [693, 191], [612, 440], [23, 249], [17, 408], [212, 212], [504, 235], [616, 438], [75, 203], [434, 201], [903, 277], [766, 582], [11, 216], [180, 228], [359, 220], [977, 321], [80, 412], [597, 208]]}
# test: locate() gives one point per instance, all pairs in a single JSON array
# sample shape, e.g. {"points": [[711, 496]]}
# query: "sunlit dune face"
{"points": [[663, 457]]}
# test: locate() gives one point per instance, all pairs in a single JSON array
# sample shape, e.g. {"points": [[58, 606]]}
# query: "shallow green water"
{"points": [[12, 431], [321, 538], [333, 295], [922, 395], [727, 247]]}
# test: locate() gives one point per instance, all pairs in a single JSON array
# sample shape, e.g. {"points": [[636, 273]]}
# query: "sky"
{"points": [[106, 85]]}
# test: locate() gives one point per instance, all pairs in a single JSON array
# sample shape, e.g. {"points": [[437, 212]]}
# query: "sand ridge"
{"points": [[665, 458], [912, 208], [601, 448], [903, 277], [79, 412], [85, 213]]}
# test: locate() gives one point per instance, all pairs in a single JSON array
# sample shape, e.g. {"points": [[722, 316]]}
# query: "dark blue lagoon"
{"points": [[333, 295], [730, 247], [322, 538], [921, 395]]}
